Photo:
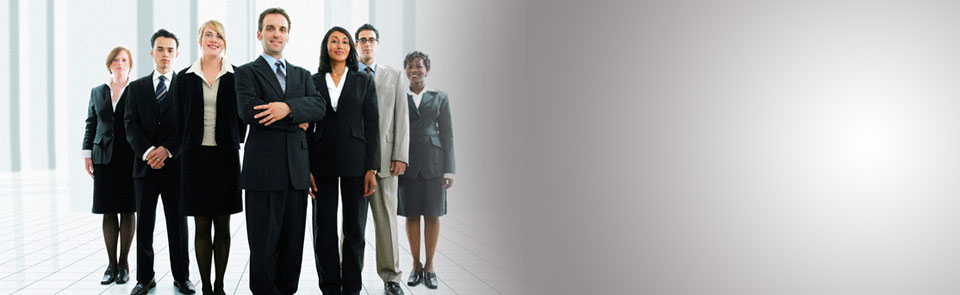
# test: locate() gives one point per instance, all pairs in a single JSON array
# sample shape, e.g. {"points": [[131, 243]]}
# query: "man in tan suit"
{"points": [[394, 151]]}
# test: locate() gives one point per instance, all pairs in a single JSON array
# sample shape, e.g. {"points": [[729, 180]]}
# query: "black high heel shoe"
{"points": [[416, 276], [123, 275], [430, 279], [109, 277]]}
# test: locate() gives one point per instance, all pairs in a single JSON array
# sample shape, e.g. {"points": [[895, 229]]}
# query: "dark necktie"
{"points": [[369, 71], [161, 89], [281, 77]]}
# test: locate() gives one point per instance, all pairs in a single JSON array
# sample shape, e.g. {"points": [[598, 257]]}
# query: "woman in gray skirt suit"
{"points": [[423, 187]]}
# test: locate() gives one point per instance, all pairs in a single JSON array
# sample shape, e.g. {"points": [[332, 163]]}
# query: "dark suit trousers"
{"points": [[161, 184], [325, 238], [276, 221]]}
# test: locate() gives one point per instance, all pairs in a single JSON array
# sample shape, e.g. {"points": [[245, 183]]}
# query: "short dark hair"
{"points": [[366, 27], [415, 55], [165, 34], [273, 10], [325, 56]]}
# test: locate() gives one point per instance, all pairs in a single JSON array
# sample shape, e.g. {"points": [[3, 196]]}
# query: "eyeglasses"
{"points": [[365, 40]]}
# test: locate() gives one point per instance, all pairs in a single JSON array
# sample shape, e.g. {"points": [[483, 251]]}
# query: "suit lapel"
{"points": [[349, 84], [267, 74], [379, 76], [107, 104], [416, 109], [426, 100], [292, 75], [165, 105]]}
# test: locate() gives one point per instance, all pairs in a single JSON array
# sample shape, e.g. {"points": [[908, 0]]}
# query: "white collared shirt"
{"points": [[209, 99], [109, 83], [418, 97], [156, 79], [335, 91]]}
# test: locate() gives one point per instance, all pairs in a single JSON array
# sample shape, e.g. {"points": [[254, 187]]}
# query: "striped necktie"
{"points": [[161, 89], [281, 77]]}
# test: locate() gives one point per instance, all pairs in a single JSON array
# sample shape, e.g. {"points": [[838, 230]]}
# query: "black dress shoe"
{"points": [[143, 288], [123, 276], [108, 277], [416, 277], [392, 288], [430, 279], [185, 287]]}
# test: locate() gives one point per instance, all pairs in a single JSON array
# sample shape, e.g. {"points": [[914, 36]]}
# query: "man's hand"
{"points": [[157, 157], [397, 167], [304, 126], [447, 183], [369, 183], [88, 166], [313, 187], [272, 112]]}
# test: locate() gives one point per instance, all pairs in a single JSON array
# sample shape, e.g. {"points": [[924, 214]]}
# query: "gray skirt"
{"points": [[420, 196]]}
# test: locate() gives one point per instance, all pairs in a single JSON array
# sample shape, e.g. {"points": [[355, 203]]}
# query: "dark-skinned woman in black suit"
{"points": [[345, 150], [210, 143], [108, 158]]}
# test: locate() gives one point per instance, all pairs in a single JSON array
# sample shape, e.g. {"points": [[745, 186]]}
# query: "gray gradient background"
{"points": [[742, 147], [684, 147]]}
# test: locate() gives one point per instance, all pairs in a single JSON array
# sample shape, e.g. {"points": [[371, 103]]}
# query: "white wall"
{"points": [[457, 35]]}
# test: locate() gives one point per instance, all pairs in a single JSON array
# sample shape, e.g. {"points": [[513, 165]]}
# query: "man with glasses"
{"points": [[394, 147]]}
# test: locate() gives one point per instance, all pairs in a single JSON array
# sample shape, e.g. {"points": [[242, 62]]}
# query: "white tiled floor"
{"points": [[48, 246]]}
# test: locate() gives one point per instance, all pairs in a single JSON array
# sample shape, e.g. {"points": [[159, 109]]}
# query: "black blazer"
{"points": [[346, 142], [189, 94], [276, 155], [104, 125], [431, 136], [150, 123]]}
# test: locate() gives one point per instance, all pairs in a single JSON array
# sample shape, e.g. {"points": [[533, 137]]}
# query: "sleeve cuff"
{"points": [[147, 152], [169, 155], [86, 154], [448, 175]]}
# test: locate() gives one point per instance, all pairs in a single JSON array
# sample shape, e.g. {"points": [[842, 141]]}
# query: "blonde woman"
{"points": [[210, 163]]}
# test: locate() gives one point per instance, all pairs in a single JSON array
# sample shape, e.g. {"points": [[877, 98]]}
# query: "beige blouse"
{"points": [[210, 100]]}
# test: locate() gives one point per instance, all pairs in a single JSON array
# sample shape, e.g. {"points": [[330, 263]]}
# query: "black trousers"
{"points": [[164, 184], [326, 240], [276, 221]]}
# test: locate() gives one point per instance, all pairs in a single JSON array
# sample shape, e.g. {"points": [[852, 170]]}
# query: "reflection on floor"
{"points": [[52, 244]]}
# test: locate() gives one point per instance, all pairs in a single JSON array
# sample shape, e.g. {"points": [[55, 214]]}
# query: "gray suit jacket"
{"points": [[431, 136], [394, 118]]}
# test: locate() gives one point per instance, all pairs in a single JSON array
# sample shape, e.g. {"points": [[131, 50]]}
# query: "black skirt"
{"points": [[210, 182], [113, 182], [418, 196]]}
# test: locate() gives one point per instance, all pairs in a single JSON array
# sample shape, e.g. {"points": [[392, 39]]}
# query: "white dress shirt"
{"points": [[335, 91]]}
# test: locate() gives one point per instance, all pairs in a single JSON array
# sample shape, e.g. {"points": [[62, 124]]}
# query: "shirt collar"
{"points": [[425, 89], [363, 67], [156, 75], [272, 61], [197, 69]]}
